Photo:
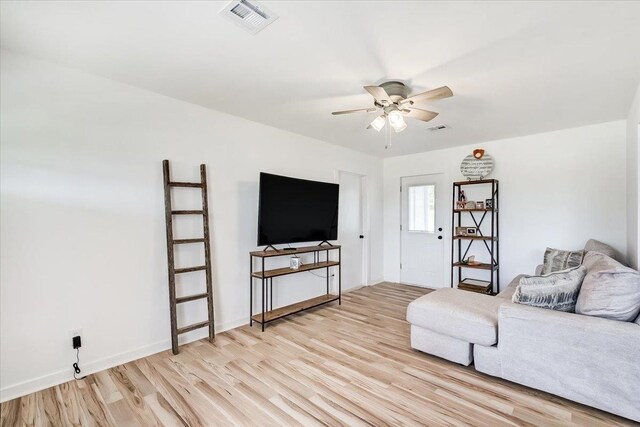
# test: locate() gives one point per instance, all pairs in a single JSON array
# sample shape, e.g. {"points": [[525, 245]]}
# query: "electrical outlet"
{"points": [[75, 332]]}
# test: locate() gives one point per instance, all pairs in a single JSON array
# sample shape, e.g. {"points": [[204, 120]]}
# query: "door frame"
{"points": [[364, 220], [444, 230]]}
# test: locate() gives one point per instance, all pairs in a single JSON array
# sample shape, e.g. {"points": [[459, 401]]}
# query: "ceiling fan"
{"points": [[392, 98]]}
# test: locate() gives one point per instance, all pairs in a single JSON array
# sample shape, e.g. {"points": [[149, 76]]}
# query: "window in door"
{"points": [[422, 208]]}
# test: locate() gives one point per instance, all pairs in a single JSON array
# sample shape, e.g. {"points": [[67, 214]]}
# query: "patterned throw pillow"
{"points": [[556, 291], [558, 260]]}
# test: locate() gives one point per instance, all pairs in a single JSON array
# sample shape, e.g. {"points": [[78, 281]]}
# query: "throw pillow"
{"points": [[610, 289], [556, 291], [558, 260], [594, 245]]}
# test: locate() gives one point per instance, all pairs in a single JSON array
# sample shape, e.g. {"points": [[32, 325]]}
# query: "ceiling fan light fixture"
{"points": [[378, 122], [400, 128], [395, 118], [397, 121]]}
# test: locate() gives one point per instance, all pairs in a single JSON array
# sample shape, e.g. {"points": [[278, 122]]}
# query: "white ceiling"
{"points": [[515, 68]]}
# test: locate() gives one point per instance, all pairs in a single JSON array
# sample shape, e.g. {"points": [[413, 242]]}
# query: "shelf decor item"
{"points": [[478, 153], [461, 231], [477, 165], [475, 285], [295, 263], [471, 261], [470, 205], [467, 227]]}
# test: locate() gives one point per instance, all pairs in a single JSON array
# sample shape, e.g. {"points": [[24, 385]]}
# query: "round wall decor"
{"points": [[473, 168]]}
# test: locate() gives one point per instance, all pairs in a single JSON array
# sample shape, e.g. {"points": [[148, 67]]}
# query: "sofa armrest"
{"points": [[588, 359], [539, 270]]}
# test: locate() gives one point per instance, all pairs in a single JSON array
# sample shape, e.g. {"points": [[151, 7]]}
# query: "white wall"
{"points": [[557, 189], [82, 223], [633, 181]]}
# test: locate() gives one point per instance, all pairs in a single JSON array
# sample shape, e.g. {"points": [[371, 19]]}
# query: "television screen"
{"points": [[294, 210]]}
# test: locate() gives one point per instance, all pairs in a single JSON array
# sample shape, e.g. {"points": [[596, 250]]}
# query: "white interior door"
{"points": [[423, 210], [351, 230]]}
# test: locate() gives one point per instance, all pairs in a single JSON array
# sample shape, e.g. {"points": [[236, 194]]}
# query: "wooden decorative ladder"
{"points": [[171, 244]]}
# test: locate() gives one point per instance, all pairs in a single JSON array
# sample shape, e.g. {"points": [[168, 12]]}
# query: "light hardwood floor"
{"points": [[335, 365]]}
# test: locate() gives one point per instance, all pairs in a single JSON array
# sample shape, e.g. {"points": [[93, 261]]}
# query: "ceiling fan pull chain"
{"points": [[387, 137]]}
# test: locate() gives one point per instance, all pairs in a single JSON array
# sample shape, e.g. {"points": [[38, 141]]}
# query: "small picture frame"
{"points": [[470, 205], [471, 231], [488, 203], [479, 205], [461, 231], [460, 204]]}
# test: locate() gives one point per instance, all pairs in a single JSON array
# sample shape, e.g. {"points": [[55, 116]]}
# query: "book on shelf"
{"points": [[475, 285]]}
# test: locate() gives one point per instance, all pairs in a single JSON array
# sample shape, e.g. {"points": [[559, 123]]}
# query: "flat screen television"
{"points": [[292, 210]]}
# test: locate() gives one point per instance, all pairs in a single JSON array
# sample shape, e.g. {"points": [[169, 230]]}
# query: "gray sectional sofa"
{"points": [[591, 360]]}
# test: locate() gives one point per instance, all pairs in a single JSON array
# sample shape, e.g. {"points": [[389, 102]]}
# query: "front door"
{"points": [[423, 202]]}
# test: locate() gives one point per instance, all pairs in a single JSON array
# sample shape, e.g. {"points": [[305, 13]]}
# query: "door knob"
{"points": [[439, 237]]}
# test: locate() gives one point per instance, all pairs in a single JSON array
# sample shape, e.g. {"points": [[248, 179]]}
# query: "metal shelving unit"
{"points": [[490, 242]]}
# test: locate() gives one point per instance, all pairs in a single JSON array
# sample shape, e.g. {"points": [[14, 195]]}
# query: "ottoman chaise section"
{"points": [[447, 322], [443, 346], [459, 314]]}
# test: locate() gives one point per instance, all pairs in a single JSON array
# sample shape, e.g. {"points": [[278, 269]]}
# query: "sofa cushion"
{"points": [[609, 290], [460, 314], [555, 291], [487, 360], [594, 245], [558, 260]]}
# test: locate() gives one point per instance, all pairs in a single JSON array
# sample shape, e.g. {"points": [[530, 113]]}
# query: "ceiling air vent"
{"points": [[438, 128], [248, 15]]}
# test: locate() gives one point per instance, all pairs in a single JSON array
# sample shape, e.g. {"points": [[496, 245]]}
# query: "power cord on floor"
{"points": [[76, 368]]}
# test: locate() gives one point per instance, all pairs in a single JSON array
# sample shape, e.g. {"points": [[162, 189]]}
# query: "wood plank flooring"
{"points": [[335, 365]]}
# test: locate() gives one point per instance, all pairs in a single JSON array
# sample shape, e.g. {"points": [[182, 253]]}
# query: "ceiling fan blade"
{"points": [[417, 113], [368, 110], [434, 94], [379, 94]]}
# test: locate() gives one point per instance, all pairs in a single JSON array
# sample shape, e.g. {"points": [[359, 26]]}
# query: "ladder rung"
{"points": [[190, 269], [192, 327], [191, 298], [181, 241], [187, 212], [185, 184]]}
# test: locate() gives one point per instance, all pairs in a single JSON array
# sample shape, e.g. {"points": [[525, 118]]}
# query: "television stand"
{"points": [[324, 241], [270, 246], [268, 313]]}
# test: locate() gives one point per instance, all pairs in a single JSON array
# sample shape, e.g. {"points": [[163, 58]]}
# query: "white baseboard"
{"points": [[62, 376]]}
